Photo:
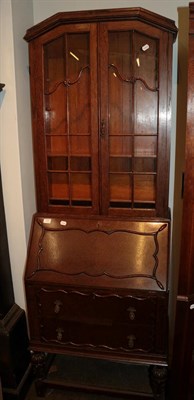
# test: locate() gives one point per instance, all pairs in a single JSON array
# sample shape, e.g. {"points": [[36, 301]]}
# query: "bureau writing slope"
{"points": [[97, 267]]}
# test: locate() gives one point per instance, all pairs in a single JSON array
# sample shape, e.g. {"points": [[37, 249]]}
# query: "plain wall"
{"points": [[15, 142]]}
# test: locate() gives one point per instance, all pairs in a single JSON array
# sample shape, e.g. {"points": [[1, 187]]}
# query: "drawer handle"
{"points": [[131, 341], [58, 305], [103, 128], [131, 311], [59, 334]]}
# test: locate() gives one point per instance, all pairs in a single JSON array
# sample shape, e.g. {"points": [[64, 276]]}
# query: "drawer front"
{"points": [[118, 337], [98, 308], [96, 320]]}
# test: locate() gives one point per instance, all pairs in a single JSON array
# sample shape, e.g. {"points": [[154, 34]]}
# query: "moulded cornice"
{"points": [[116, 14]]}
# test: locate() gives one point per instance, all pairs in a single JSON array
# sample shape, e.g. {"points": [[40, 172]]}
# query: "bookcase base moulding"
{"points": [[97, 288]]}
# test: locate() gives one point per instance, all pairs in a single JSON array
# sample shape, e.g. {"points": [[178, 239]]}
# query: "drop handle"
{"points": [[57, 305], [60, 332], [103, 128], [131, 311], [131, 341]]}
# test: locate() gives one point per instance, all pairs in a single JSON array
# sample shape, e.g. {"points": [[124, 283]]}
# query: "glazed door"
{"points": [[66, 154], [133, 140]]}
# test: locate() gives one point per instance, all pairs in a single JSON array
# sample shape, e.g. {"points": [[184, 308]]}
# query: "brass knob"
{"points": [[58, 305], [131, 341], [59, 334], [131, 311]]}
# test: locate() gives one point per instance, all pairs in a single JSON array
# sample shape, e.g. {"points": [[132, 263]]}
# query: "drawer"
{"points": [[100, 319], [120, 337], [98, 308]]}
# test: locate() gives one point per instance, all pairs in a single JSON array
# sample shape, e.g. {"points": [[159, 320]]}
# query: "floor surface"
{"points": [[76, 372]]}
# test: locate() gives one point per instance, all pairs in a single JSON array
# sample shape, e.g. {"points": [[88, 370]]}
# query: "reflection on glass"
{"points": [[57, 163], [58, 186], [80, 164], [81, 186], [68, 118], [120, 164], [133, 129], [120, 187], [144, 188]]}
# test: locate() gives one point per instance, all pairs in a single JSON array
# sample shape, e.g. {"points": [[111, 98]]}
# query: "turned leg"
{"points": [[158, 381], [39, 371]]}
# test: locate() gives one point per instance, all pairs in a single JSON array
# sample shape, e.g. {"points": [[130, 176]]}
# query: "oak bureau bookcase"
{"points": [[97, 267]]}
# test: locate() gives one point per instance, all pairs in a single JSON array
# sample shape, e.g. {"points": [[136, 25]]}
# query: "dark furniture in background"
{"points": [[97, 267], [14, 354], [182, 366]]}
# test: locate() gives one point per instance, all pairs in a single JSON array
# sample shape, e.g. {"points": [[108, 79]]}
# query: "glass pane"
{"points": [[67, 114], [67, 84], [78, 55], [144, 188], [78, 74], [145, 110], [58, 186], [145, 146], [120, 187], [81, 186], [120, 91], [80, 164], [80, 145], [57, 144], [132, 94], [120, 164], [57, 163], [144, 164], [55, 95], [146, 59], [55, 118], [54, 63], [79, 105], [120, 145]]}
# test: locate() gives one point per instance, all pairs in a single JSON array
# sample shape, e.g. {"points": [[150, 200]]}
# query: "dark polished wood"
{"points": [[139, 14], [15, 357], [84, 281], [96, 275], [90, 157], [182, 368]]}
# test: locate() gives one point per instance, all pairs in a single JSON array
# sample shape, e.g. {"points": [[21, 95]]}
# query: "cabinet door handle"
{"points": [[59, 334], [57, 307], [131, 311], [103, 128], [131, 341]]}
